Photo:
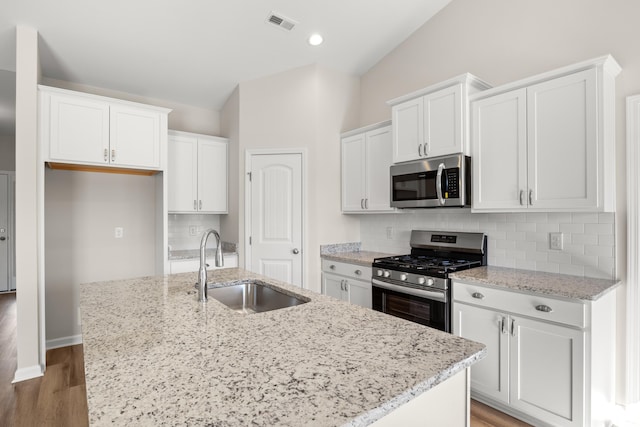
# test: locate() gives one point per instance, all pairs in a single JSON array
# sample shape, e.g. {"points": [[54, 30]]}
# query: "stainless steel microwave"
{"points": [[431, 183]]}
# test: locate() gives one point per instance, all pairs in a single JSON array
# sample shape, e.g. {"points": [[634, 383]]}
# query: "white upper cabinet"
{"points": [[134, 135], [547, 143], [83, 129], [366, 158], [432, 122], [197, 173]]}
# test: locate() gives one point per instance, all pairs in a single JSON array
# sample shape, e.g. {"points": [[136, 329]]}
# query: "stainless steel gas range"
{"points": [[417, 286]]}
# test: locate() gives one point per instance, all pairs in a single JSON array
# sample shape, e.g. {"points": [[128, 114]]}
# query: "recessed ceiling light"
{"points": [[315, 39]]}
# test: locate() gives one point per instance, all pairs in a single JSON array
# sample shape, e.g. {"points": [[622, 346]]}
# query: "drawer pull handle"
{"points": [[544, 308], [333, 267], [358, 272], [503, 325], [477, 295]]}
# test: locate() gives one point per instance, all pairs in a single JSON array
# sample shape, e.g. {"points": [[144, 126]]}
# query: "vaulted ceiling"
{"points": [[195, 52]]}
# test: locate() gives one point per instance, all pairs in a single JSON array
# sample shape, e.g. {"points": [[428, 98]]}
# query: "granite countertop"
{"points": [[552, 284], [364, 258], [155, 356], [351, 253]]}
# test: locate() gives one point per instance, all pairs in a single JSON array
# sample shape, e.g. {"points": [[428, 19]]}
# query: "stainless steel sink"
{"points": [[254, 297]]}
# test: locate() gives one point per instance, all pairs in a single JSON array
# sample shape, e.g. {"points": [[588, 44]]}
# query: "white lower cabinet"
{"points": [[537, 369], [348, 282]]}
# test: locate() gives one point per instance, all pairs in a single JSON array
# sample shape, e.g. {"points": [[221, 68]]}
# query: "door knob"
{"points": [[296, 251]]}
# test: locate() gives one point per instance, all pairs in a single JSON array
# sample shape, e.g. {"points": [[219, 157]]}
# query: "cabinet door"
{"points": [[408, 130], [499, 152], [359, 292], [79, 130], [547, 371], [353, 173], [490, 376], [563, 142], [378, 162], [212, 176], [182, 174], [134, 137], [443, 122], [332, 285]]}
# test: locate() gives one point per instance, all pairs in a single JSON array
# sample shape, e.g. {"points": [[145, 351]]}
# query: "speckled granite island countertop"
{"points": [[155, 356], [557, 285]]}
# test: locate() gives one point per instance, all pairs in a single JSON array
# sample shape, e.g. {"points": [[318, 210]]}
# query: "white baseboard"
{"points": [[64, 342], [28, 373]]}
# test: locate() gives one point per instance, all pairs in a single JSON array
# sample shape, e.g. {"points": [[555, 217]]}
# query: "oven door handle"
{"points": [[440, 296]]}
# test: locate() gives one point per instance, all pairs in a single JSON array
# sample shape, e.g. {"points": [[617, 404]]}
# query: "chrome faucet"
{"points": [[202, 280]]}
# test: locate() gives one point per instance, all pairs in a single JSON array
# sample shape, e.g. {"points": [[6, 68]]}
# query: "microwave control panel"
{"points": [[450, 188]]}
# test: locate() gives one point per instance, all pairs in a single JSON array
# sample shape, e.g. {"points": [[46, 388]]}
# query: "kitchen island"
{"points": [[155, 356]]}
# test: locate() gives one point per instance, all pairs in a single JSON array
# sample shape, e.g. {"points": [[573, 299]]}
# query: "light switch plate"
{"points": [[555, 241]]}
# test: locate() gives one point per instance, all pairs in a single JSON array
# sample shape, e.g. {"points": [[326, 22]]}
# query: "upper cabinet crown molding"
{"points": [[606, 63], [547, 143], [432, 121], [82, 129]]}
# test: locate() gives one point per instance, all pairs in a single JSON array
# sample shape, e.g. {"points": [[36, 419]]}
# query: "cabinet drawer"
{"points": [[530, 305], [345, 269]]}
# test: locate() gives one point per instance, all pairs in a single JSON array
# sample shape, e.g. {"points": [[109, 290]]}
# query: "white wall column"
{"points": [[632, 362], [29, 297]]}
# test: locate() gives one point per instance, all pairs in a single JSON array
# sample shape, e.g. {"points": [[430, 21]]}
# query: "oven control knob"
{"points": [[387, 273], [403, 277], [421, 280], [429, 281], [379, 272]]}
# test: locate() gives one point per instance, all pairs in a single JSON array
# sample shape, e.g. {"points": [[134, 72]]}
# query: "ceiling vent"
{"points": [[281, 21]]}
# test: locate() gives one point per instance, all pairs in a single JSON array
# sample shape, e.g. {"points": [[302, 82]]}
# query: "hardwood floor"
{"points": [[59, 397], [56, 399]]}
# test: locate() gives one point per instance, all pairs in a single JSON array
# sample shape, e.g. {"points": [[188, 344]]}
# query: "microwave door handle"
{"points": [[439, 183]]}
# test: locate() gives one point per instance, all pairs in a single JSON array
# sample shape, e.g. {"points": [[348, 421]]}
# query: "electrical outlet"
{"points": [[119, 232], [389, 232], [193, 230], [555, 241]]}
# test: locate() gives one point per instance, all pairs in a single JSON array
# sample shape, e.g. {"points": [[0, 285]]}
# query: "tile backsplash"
{"points": [[185, 230], [519, 240]]}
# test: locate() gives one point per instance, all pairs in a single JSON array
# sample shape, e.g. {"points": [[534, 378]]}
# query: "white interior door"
{"points": [[4, 232], [275, 186]]}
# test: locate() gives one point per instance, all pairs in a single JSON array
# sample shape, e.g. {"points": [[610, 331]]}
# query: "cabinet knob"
{"points": [[477, 295], [358, 272], [295, 251], [2, 238], [333, 267], [544, 308], [113, 155], [106, 155]]}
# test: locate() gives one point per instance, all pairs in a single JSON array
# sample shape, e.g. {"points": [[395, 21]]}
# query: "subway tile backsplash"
{"points": [[519, 240], [185, 230]]}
